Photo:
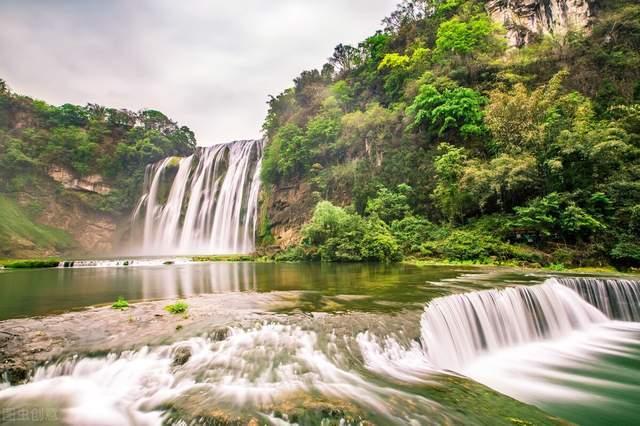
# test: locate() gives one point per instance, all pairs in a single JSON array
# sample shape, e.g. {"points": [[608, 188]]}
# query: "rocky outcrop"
{"points": [[92, 183], [288, 208], [527, 19]]}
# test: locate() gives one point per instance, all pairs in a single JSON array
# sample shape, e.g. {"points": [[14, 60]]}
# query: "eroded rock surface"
{"points": [[526, 19]]}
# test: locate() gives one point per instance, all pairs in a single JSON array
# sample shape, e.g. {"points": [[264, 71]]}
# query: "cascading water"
{"points": [[618, 299], [557, 345], [204, 203], [456, 329]]}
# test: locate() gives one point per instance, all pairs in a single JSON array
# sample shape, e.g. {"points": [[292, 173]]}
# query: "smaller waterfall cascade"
{"points": [[618, 299], [205, 203], [456, 329]]}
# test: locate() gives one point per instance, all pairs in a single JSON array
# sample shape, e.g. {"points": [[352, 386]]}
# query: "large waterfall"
{"points": [[203, 204]]}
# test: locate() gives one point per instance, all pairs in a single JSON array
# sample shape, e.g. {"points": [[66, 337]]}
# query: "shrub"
{"points": [[336, 235], [390, 205], [32, 264], [411, 232], [439, 110], [290, 254], [626, 253], [121, 304], [476, 246], [179, 307], [468, 245]]}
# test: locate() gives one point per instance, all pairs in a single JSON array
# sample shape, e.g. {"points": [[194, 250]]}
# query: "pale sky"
{"points": [[209, 65]]}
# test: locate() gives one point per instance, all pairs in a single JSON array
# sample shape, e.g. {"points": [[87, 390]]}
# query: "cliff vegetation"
{"points": [[69, 173], [436, 137]]}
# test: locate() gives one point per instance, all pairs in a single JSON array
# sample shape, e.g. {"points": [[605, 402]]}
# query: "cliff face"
{"points": [[526, 19], [288, 209], [49, 206]]}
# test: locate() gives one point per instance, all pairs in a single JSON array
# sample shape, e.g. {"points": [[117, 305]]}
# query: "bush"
{"points": [[475, 246], [335, 235], [390, 205], [179, 307], [626, 254], [120, 304], [411, 232], [290, 254], [467, 245], [32, 264]]}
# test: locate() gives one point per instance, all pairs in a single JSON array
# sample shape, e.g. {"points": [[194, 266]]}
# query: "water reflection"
{"points": [[187, 280], [379, 287]]}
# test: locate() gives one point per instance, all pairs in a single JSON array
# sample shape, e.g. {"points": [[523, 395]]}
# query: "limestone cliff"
{"points": [[526, 19], [288, 208]]}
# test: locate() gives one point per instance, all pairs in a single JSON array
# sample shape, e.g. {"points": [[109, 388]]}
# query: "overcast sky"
{"points": [[209, 65]]}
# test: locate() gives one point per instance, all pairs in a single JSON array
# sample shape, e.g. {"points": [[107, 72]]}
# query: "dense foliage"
{"points": [[451, 145], [116, 144]]}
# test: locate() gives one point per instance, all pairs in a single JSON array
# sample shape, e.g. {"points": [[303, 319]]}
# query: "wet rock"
{"points": [[14, 371], [219, 334], [181, 355]]}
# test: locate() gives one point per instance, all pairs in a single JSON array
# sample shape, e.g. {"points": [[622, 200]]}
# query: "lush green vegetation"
{"points": [[31, 263], [449, 145], [87, 140], [120, 304], [180, 307], [18, 228]]}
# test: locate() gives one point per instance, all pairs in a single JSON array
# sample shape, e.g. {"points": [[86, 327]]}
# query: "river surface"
{"points": [[389, 344]]}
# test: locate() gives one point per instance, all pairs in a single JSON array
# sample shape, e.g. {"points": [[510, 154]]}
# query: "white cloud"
{"points": [[209, 65]]}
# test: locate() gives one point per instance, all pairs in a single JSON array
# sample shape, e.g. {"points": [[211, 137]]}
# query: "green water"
{"points": [[389, 287]]}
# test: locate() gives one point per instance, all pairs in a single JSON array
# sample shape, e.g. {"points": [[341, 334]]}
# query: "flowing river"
{"points": [[335, 344]]}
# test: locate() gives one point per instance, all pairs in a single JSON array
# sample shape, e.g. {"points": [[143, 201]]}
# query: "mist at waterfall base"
{"points": [[569, 346], [202, 204]]}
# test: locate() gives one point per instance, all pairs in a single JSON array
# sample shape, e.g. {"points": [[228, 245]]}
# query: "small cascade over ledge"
{"points": [[206, 203], [618, 299], [457, 329]]}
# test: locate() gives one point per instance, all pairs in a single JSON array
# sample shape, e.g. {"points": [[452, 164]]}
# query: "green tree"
{"points": [[466, 37], [389, 205], [441, 110]]}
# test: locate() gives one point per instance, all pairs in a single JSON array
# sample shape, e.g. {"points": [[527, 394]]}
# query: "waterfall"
{"points": [[205, 203], [456, 329], [618, 299]]}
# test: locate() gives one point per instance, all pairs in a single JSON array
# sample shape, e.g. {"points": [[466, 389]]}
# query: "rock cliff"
{"points": [[527, 19]]}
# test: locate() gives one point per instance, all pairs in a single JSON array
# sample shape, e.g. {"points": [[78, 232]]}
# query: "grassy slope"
{"points": [[17, 229]]}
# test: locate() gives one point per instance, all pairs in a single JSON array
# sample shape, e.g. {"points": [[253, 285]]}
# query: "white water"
{"points": [[618, 299], [540, 344], [121, 263], [256, 369], [545, 344], [457, 329], [203, 204]]}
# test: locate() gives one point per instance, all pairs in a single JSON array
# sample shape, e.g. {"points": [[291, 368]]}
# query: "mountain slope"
{"points": [[441, 140], [70, 174]]}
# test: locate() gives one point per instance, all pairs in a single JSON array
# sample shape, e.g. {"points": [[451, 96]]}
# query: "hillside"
{"points": [[465, 130], [70, 174]]}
